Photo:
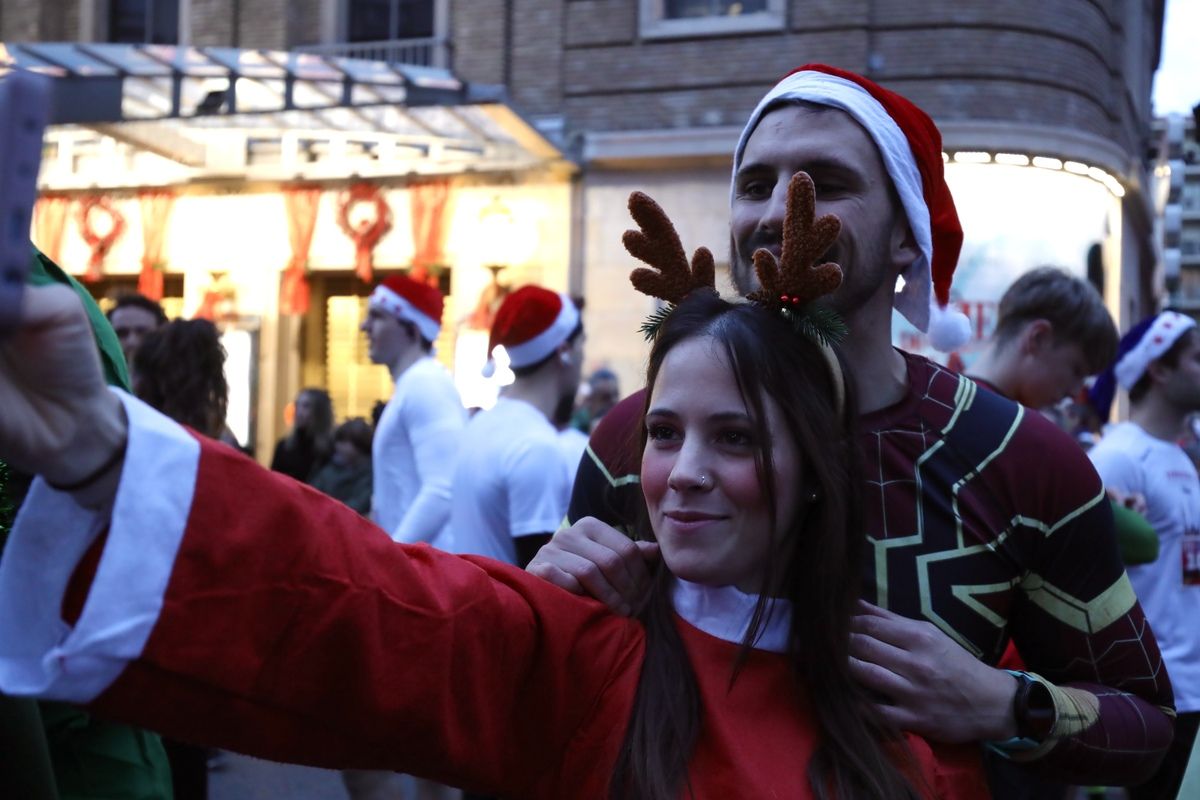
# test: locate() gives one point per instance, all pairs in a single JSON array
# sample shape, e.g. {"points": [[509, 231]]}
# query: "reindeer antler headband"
{"points": [[789, 284]]}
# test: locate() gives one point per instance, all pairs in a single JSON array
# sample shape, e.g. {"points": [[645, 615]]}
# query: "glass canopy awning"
{"points": [[273, 115]]}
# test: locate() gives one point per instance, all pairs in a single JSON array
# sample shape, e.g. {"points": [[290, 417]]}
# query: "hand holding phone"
{"points": [[24, 110]]}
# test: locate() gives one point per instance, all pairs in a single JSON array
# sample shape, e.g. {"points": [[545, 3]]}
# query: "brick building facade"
{"points": [[650, 94]]}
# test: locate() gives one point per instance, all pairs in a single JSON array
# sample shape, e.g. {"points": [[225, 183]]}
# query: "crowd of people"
{"points": [[798, 563]]}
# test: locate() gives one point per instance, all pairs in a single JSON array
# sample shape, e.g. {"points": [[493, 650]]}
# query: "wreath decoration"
{"points": [[367, 233], [99, 243]]}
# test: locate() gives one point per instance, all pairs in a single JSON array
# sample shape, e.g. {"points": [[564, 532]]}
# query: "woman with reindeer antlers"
{"points": [[339, 648]]}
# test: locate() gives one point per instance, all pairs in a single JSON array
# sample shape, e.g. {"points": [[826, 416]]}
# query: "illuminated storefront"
{"points": [[269, 190], [1019, 212]]}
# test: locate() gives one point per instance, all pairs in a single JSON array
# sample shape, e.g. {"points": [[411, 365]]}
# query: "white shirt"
{"points": [[1131, 460], [572, 443], [413, 455], [510, 481]]}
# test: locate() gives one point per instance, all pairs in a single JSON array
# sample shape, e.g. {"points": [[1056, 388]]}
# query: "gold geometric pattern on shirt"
{"points": [[963, 394], [1088, 616], [1076, 709], [963, 399], [966, 594]]}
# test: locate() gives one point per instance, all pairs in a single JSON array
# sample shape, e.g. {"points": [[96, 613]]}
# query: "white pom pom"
{"points": [[949, 328], [489, 369]]}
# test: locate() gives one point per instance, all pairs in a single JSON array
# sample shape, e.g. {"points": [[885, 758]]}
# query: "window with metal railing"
{"points": [[675, 18], [684, 9], [143, 21], [379, 20]]}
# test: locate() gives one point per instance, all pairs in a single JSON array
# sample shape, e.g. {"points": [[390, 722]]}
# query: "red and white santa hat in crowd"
{"points": [[410, 301], [912, 154], [530, 324]]}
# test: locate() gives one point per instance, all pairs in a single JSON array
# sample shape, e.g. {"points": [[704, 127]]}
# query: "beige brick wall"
{"points": [[212, 23], [303, 22], [600, 22], [537, 56], [697, 202], [39, 20], [477, 31], [1052, 64], [264, 24]]}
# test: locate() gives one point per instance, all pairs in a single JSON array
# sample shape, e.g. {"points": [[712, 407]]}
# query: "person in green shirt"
{"points": [[60, 750]]}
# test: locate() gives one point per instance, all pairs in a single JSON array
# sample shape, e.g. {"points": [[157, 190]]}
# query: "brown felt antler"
{"points": [[658, 245], [795, 279]]}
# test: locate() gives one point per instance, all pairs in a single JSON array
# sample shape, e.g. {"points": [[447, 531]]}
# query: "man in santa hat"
{"points": [[511, 485], [1158, 364], [412, 453], [985, 522], [417, 438]]}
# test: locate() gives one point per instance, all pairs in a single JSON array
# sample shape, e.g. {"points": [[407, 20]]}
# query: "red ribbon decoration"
{"points": [[428, 201], [302, 204], [156, 208], [367, 233], [100, 244]]}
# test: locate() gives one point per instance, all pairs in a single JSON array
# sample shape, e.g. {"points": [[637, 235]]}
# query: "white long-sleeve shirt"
{"points": [[414, 453]]}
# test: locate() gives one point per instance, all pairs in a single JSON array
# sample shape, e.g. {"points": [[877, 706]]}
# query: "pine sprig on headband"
{"points": [[650, 327], [820, 324]]}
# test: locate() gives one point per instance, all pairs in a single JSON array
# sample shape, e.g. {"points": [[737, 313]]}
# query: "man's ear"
{"points": [[904, 248], [1036, 336], [1157, 371]]}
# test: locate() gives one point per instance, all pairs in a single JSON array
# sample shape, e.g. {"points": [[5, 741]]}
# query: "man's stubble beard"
{"points": [[845, 300]]}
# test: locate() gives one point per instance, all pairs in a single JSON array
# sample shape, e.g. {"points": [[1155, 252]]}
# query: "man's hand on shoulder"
{"points": [[927, 683], [593, 559]]}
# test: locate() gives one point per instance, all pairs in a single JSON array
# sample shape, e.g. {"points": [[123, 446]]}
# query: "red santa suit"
{"points": [[234, 607]]}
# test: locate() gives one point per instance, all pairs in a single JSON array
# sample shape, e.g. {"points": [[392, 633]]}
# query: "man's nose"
{"points": [[776, 209]]}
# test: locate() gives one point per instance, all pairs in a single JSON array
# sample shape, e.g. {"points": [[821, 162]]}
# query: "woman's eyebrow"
{"points": [[719, 416]]}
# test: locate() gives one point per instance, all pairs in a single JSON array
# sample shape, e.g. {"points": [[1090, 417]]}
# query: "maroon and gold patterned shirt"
{"points": [[988, 521]]}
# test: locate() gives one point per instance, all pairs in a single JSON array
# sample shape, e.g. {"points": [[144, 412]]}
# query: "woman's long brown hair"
{"points": [[820, 572]]}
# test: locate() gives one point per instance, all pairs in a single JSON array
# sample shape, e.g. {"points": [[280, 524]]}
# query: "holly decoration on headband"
{"points": [[789, 284]]}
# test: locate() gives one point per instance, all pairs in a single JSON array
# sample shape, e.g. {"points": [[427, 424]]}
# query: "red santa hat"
{"points": [[410, 301], [530, 324], [911, 148]]}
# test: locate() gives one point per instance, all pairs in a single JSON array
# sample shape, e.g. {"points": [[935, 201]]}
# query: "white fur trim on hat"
{"points": [[949, 328], [1158, 339], [915, 300], [399, 307], [542, 345]]}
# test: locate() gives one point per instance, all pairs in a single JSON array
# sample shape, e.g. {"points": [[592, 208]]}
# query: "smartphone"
{"points": [[24, 110]]}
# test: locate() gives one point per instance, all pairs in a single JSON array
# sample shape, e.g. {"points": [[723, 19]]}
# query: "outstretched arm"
{"points": [[222, 604]]}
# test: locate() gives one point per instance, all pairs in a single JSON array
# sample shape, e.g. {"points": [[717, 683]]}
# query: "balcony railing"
{"points": [[428, 52]]}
